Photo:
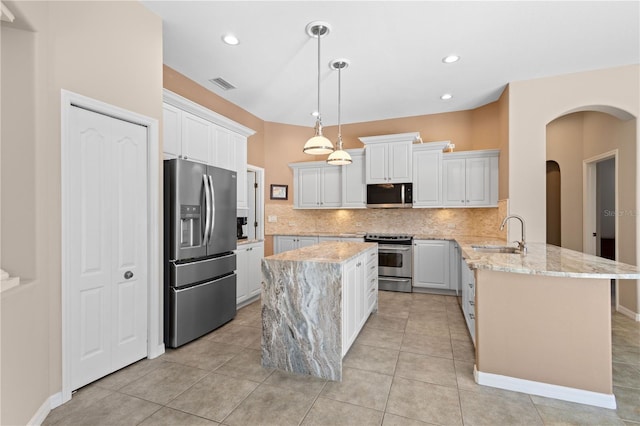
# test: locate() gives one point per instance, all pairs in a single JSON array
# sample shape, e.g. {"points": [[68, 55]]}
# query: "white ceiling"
{"points": [[395, 48]]}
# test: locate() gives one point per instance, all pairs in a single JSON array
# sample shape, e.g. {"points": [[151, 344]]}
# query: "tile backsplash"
{"points": [[481, 222]]}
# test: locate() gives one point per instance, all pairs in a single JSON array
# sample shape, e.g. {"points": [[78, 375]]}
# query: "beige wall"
{"points": [[77, 47], [535, 103]]}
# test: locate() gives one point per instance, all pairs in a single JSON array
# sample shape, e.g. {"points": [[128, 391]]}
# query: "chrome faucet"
{"points": [[522, 245]]}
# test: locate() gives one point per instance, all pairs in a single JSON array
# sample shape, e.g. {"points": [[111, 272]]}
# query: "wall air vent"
{"points": [[222, 83]]}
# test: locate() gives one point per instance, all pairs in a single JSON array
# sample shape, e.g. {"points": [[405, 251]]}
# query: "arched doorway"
{"points": [[554, 223], [579, 142]]}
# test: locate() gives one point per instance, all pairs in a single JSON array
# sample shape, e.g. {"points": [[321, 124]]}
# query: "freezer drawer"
{"points": [[197, 310], [182, 274]]}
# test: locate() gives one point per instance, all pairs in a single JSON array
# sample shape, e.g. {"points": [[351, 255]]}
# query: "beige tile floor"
{"points": [[411, 365]]}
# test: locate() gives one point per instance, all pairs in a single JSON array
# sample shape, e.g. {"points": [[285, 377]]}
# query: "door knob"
{"points": [[128, 275]]}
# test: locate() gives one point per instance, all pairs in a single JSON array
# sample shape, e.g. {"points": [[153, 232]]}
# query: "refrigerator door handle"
{"points": [[213, 207], [207, 207]]}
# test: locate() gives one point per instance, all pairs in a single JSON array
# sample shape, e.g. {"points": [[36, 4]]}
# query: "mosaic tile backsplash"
{"points": [[481, 222]]}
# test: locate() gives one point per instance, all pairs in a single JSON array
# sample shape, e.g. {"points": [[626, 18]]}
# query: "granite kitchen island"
{"points": [[315, 301]]}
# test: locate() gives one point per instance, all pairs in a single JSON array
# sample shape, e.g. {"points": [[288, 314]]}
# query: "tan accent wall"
{"points": [[76, 46], [535, 103], [545, 329], [174, 81], [503, 165]]}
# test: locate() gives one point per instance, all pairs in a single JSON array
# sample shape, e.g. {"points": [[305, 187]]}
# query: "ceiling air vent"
{"points": [[222, 83]]}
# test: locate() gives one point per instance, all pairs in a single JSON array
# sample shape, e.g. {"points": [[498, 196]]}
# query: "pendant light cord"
{"points": [[320, 27], [339, 108]]}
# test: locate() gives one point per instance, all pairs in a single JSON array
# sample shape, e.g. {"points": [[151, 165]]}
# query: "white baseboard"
{"points": [[545, 389], [628, 313], [155, 351], [49, 404]]}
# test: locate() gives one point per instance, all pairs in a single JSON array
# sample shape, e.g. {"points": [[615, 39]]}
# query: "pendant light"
{"points": [[318, 144], [339, 157]]}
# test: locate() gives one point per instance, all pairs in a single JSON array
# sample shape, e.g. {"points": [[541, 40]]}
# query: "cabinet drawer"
{"points": [[372, 283], [371, 299]]}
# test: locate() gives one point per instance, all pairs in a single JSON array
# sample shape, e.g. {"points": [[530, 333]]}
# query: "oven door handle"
{"points": [[393, 249], [400, 280]]}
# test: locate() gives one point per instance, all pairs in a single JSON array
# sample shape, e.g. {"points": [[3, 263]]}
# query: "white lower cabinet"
{"points": [[357, 296], [468, 283], [291, 242], [249, 271], [431, 268]]}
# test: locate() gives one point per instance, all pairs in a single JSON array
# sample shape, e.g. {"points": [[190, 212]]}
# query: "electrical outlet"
{"points": [[272, 219], [358, 224]]}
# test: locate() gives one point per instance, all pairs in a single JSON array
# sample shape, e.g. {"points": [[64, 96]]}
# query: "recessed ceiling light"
{"points": [[230, 39], [446, 96], [450, 59]]}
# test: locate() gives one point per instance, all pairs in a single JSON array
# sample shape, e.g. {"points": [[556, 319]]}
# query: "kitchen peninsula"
{"points": [[542, 321], [315, 301]]}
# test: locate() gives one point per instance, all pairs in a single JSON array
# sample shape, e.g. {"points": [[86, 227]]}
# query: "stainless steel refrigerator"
{"points": [[199, 239]]}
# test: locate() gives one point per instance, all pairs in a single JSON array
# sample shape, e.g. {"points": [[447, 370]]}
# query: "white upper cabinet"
{"points": [[427, 174], [240, 144], [354, 190], [172, 135], [388, 158], [196, 133], [470, 179], [223, 153], [317, 185]]}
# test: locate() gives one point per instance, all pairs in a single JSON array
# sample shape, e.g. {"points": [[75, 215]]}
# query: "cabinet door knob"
{"points": [[472, 316], [128, 275]]}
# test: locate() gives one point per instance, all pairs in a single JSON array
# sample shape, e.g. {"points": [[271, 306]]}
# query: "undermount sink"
{"points": [[496, 249]]}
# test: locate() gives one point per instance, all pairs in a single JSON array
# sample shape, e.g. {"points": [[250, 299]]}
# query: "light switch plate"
{"points": [[272, 219]]}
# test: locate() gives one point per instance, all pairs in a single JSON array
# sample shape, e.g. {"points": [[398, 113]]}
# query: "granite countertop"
{"points": [[546, 259], [325, 234], [325, 252], [541, 258]]}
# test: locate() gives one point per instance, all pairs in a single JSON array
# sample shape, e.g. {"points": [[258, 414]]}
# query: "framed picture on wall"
{"points": [[279, 192]]}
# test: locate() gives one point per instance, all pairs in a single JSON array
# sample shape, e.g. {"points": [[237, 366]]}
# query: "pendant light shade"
{"points": [[339, 157], [318, 144]]}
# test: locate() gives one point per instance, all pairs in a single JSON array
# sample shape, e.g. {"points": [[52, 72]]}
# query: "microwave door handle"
{"points": [[213, 207], [207, 209], [402, 194]]}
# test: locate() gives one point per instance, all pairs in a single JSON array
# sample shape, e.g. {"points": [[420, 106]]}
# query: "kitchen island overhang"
{"points": [[315, 300]]}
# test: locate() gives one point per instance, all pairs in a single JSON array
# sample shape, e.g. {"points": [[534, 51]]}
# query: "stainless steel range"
{"points": [[395, 257]]}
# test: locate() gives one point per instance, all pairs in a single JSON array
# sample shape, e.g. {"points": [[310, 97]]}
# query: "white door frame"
{"points": [[155, 345], [259, 171], [589, 185]]}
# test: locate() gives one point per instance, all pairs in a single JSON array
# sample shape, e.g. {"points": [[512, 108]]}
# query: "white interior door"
{"points": [[107, 244]]}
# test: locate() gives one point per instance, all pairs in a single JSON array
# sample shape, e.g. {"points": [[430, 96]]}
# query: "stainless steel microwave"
{"points": [[390, 195]]}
